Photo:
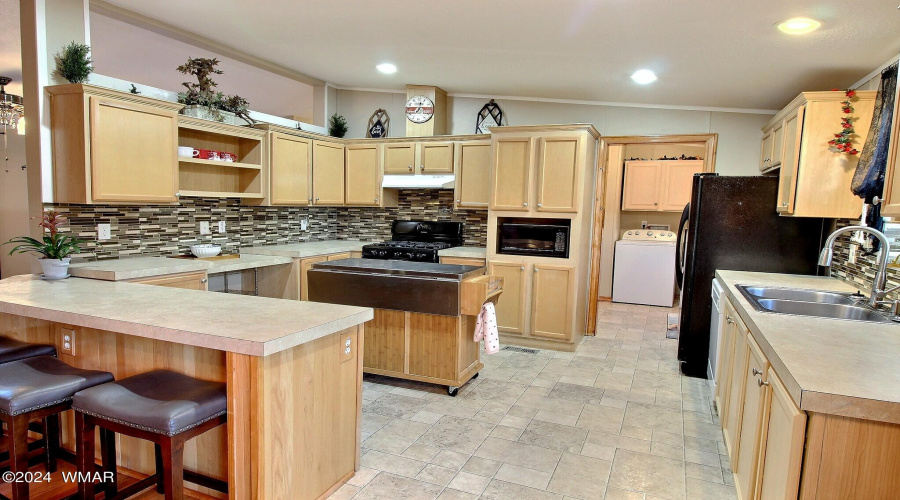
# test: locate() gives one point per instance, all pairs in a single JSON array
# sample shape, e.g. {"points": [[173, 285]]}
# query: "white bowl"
{"points": [[206, 250]]}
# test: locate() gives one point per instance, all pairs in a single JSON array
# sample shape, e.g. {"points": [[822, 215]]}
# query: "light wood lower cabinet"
{"points": [[305, 265], [783, 432], [537, 301], [328, 173], [188, 281], [745, 464], [511, 305], [735, 395]]}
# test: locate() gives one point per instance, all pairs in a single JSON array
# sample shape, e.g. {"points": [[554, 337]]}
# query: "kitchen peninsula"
{"points": [[276, 357]]}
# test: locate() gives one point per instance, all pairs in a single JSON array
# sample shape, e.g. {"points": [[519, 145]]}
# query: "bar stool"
{"points": [[161, 406], [14, 350], [32, 389]]}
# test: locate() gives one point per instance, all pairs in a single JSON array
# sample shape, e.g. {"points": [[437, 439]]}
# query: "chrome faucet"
{"points": [[878, 284]]}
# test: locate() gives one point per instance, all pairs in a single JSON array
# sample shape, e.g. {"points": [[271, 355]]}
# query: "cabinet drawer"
{"points": [[476, 291]]}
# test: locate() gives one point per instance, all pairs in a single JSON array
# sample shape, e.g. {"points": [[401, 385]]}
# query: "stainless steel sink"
{"points": [[813, 303], [822, 310], [764, 292]]}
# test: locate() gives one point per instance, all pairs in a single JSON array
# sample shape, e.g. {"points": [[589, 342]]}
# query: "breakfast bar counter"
{"points": [[293, 372]]}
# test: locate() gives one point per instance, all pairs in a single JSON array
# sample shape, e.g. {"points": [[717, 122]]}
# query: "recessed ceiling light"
{"points": [[386, 68], [799, 26], [643, 76]]}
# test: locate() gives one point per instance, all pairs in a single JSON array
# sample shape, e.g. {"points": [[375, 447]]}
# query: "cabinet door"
{"points": [[328, 173], [790, 163], [291, 169], [781, 448], [765, 152], [732, 424], [511, 180], [777, 145], [679, 180], [134, 152], [551, 302], [642, 185], [726, 361], [745, 465], [399, 157], [305, 266], [363, 175], [436, 158], [890, 206], [473, 174], [558, 165], [511, 304]]}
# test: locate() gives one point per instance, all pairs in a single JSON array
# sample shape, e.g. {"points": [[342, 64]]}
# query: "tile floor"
{"points": [[612, 420]]}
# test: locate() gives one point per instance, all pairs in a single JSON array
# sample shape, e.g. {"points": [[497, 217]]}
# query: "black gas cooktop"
{"points": [[416, 241]]}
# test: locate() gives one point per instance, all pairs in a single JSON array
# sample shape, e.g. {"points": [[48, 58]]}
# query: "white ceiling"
{"points": [[11, 45], [721, 53]]}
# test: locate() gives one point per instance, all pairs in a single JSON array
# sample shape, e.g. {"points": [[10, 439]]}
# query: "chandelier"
{"points": [[11, 108]]}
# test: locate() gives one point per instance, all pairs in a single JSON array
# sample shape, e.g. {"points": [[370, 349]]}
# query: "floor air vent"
{"points": [[520, 349]]}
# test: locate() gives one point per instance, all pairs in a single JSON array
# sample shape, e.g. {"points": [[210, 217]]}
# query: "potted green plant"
{"points": [[337, 126], [74, 62], [238, 106], [55, 247]]}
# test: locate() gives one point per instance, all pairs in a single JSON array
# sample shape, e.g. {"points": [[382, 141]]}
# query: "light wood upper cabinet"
{"points": [[659, 185], [473, 174], [558, 165], [363, 175], [328, 173], [754, 380], [436, 158], [678, 183], [511, 304], [551, 301], [399, 158], [112, 147], [512, 166], [890, 204], [815, 179], [765, 153], [777, 145], [783, 433], [291, 170]]}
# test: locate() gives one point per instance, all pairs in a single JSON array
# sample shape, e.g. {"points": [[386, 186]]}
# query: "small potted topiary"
{"points": [[55, 247], [74, 62], [337, 126]]}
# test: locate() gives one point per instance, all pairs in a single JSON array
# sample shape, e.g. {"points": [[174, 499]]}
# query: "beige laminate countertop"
{"points": [[839, 367], [130, 268], [256, 326], [464, 252], [307, 249]]}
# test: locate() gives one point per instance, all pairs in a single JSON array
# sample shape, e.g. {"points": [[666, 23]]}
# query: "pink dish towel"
{"points": [[486, 328]]}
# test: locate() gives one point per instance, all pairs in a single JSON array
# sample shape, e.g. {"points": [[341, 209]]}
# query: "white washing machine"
{"points": [[644, 270]]}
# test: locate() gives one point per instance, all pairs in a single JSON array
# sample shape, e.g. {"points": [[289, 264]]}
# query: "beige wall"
{"points": [[739, 133], [14, 219]]}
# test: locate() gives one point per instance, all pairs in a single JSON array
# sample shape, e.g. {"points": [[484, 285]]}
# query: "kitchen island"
{"points": [[424, 314], [294, 388]]}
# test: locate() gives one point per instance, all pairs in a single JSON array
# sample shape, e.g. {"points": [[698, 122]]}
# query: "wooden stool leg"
{"points": [[51, 441], [108, 452], [160, 479], [173, 467], [84, 443], [18, 454]]}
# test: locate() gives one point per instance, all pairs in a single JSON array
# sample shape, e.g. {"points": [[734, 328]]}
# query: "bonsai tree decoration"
{"points": [[54, 249], [337, 126], [239, 106], [74, 62]]}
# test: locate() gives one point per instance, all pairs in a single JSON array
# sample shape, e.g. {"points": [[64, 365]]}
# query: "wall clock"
{"points": [[419, 109]]}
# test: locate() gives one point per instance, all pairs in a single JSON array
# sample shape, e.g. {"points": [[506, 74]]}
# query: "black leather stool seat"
{"points": [[34, 383], [14, 350], [159, 401]]}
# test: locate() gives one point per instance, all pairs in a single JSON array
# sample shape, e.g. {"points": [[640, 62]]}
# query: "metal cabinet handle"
{"points": [[422, 168], [317, 199], [458, 201], [177, 194], [376, 200], [522, 268], [756, 372], [784, 203], [204, 280], [761, 383], [729, 320], [410, 168], [540, 205], [524, 204], [536, 269]]}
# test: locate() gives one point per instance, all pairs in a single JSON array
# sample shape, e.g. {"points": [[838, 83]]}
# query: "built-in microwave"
{"points": [[534, 237]]}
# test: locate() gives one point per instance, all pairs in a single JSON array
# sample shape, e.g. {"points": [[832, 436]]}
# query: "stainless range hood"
{"points": [[419, 181]]}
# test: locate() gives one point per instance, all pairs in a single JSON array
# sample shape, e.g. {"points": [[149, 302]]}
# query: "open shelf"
{"points": [[218, 163]]}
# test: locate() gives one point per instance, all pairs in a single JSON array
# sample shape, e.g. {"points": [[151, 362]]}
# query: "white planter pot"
{"points": [[55, 268], [204, 113]]}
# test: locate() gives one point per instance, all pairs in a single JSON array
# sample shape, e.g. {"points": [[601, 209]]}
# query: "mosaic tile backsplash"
{"points": [[171, 229], [862, 273]]}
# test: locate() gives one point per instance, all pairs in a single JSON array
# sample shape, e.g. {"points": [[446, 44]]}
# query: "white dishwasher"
{"points": [[644, 269], [716, 326]]}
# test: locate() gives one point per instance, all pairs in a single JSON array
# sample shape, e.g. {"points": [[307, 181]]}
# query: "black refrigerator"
{"points": [[731, 223]]}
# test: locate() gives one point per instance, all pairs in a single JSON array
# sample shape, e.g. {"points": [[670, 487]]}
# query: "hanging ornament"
{"points": [[490, 116], [843, 142], [378, 124]]}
